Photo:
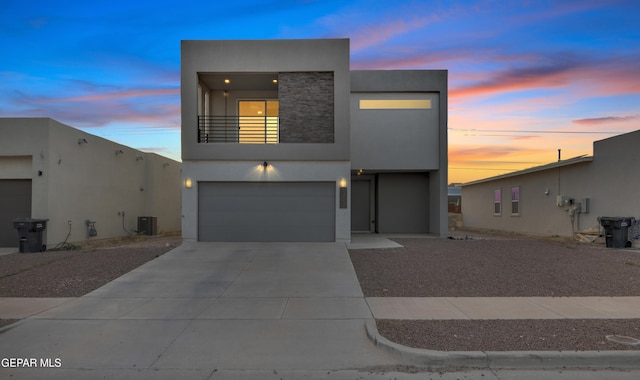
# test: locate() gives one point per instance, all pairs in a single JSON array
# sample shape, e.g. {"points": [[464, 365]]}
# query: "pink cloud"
{"points": [[135, 93], [518, 79], [373, 35], [606, 120], [152, 107], [484, 153]]}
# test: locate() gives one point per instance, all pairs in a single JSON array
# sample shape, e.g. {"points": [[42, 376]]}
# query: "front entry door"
{"points": [[361, 205]]}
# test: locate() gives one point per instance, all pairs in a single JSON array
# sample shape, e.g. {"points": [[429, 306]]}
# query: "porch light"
{"points": [[188, 183], [227, 81], [343, 192], [265, 164]]}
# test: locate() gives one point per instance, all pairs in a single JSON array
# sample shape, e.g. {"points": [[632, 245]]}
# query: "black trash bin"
{"points": [[616, 230], [30, 234]]}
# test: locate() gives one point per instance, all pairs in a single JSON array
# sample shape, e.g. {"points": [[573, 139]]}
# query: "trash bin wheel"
{"points": [[44, 248]]}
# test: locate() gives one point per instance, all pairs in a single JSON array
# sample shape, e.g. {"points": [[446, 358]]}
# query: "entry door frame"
{"points": [[373, 223]]}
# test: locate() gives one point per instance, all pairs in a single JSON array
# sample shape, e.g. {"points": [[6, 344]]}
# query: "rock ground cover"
{"points": [[77, 272], [486, 265]]}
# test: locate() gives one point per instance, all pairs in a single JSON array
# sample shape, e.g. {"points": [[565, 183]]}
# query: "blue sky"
{"points": [[526, 78]]}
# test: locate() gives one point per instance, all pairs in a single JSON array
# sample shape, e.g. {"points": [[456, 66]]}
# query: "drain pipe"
{"points": [[574, 216]]}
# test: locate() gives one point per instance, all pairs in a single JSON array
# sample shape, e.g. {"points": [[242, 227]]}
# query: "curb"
{"points": [[504, 359]]}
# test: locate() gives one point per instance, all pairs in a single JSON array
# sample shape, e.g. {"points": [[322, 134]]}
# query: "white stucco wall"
{"points": [[80, 182], [253, 171], [609, 180]]}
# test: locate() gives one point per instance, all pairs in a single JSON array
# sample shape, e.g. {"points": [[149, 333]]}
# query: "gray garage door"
{"points": [[15, 202], [266, 211]]}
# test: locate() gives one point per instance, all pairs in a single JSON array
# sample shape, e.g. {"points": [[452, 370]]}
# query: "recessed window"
{"points": [[395, 104], [497, 202], [515, 201], [258, 121]]}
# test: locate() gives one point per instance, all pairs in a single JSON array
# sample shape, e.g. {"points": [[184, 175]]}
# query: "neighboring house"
{"points": [[281, 141], [49, 170], [562, 197], [455, 198]]}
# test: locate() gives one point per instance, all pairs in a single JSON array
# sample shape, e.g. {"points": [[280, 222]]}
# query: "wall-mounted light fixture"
{"points": [[119, 151], [166, 164], [187, 183], [139, 158], [343, 192], [265, 164], [82, 141]]}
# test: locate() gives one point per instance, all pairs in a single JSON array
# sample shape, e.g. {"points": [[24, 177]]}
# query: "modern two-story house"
{"points": [[281, 141]]}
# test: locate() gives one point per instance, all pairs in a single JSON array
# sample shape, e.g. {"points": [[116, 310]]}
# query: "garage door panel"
{"points": [[268, 211]]}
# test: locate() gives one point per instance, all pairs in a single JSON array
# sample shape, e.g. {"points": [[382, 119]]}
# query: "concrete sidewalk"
{"points": [[292, 308], [504, 307]]}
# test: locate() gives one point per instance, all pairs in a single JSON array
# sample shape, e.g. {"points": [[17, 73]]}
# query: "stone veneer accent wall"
{"points": [[306, 107]]}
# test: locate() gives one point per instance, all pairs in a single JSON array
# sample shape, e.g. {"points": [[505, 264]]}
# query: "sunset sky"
{"points": [[526, 78]]}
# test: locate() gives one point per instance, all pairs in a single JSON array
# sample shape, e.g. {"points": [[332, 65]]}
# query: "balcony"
{"points": [[239, 129]]}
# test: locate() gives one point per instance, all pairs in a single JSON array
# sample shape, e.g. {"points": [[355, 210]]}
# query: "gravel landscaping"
{"points": [[77, 272], [484, 265]]}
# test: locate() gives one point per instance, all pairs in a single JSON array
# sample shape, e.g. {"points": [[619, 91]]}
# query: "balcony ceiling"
{"points": [[239, 81]]}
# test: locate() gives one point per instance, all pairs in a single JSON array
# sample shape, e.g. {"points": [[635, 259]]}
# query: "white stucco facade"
{"points": [[75, 176], [562, 197]]}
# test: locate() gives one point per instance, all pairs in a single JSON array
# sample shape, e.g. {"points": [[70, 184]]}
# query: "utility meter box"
{"points": [[148, 225]]}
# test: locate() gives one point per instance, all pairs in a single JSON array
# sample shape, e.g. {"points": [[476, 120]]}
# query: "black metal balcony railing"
{"points": [[238, 129]]}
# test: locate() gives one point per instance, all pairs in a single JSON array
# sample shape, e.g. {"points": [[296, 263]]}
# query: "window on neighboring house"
{"points": [[497, 202], [515, 201]]}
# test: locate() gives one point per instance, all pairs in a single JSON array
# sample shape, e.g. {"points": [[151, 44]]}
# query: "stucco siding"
{"points": [[385, 139], [608, 183], [74, 182]]}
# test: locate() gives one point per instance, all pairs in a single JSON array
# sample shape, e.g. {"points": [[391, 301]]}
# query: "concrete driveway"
{"points": [[204, 308]]}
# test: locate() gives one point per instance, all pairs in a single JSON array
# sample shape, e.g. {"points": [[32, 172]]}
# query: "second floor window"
{"points": [[258, 121]]}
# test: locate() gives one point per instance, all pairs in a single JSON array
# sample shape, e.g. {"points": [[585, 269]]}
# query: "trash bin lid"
{"points": [[617, 220], [30, 220]]}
